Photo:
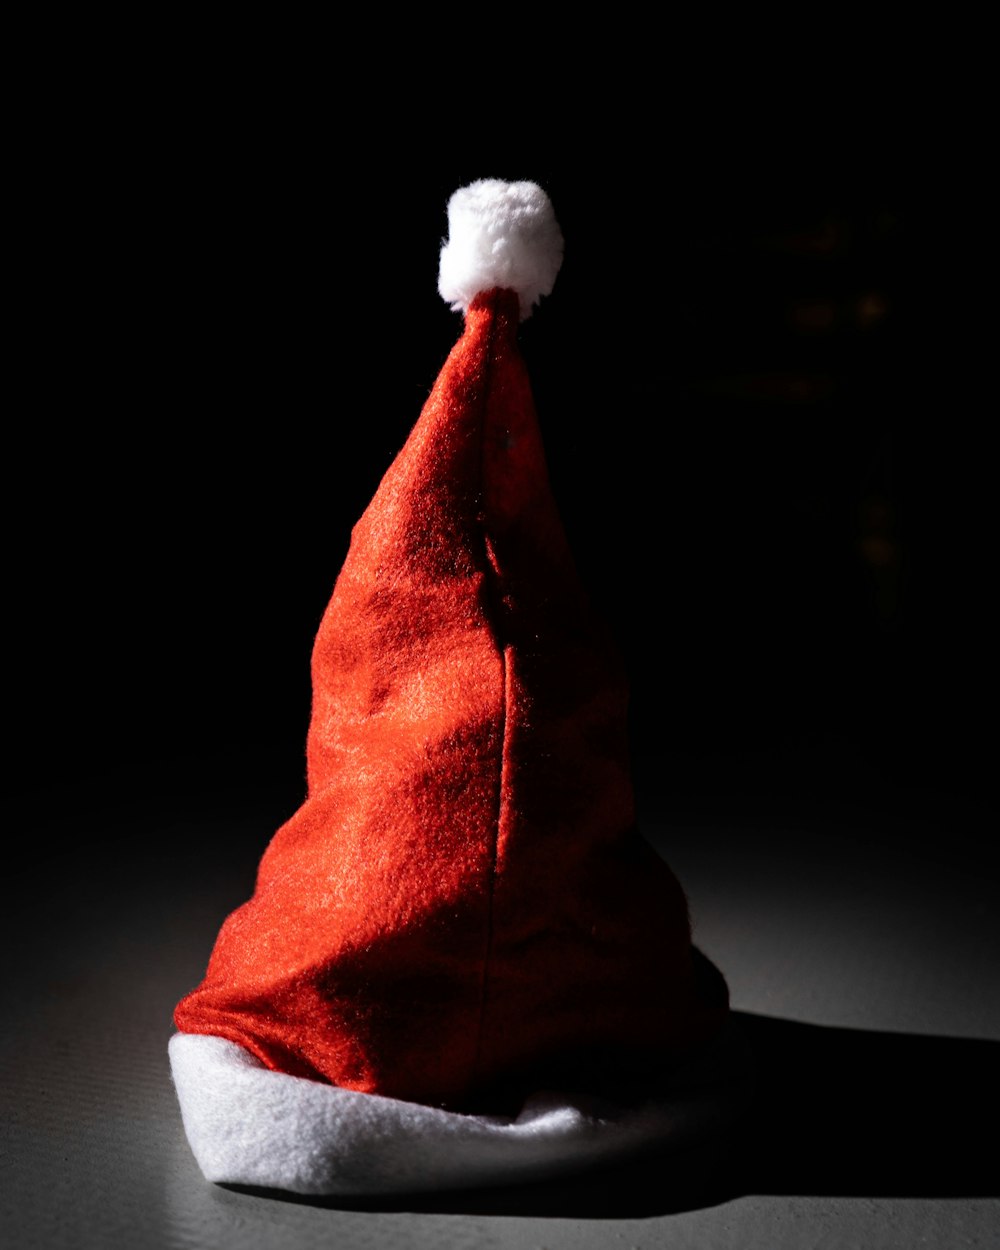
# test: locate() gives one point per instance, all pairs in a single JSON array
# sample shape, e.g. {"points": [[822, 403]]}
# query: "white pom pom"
{"points": [[500, 234]]}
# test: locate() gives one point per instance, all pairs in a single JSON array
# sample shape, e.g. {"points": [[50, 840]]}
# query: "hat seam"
{"points": [[493, 605]]}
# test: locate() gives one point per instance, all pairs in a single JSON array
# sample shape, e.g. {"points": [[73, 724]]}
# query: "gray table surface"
{"points": [[863, 973]]}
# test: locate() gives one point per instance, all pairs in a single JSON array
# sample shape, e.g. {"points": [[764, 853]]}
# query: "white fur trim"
{"points": [[248, 1125], [500, 234]]}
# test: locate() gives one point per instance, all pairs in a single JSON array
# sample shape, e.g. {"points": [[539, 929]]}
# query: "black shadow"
{"points": [[812, 1111]]}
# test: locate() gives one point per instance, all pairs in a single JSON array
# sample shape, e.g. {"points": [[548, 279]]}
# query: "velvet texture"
{"points": [[463, 895]]}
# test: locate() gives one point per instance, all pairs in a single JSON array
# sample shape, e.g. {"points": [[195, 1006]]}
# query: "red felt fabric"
{"points": [[463, 893]]}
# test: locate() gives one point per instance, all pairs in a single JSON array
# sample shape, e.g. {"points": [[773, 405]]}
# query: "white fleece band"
{"points": [[248, 1125]]}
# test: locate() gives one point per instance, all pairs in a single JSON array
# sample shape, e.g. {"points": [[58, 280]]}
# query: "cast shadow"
{"points": [[811, 1111], [848, 1112]]}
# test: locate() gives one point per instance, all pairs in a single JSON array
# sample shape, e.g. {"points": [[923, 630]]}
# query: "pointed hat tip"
{"points": [[501, 234]]}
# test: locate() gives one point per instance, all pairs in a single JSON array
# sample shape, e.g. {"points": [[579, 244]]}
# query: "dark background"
{"points": [[754, 382], [764, 382]]}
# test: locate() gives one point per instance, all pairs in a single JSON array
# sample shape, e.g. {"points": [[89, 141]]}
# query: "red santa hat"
{"points": [[462, 911]]}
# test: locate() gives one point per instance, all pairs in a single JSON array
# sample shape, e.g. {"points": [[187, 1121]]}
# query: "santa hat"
{"points": [[462, 913]]}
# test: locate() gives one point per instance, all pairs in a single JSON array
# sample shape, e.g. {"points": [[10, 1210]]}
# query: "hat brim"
{"points": [[249, 1125]]}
